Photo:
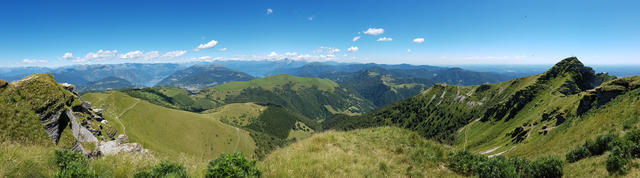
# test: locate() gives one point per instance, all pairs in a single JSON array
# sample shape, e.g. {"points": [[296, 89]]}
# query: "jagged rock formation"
{"points": [[65, 119], [602, 94]]}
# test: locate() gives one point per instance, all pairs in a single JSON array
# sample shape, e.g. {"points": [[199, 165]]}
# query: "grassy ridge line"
{"points": [[173, 132], [278, 80], [375, 152]]}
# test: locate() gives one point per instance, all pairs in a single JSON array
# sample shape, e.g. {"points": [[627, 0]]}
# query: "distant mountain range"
{"points": [[198, 77]]}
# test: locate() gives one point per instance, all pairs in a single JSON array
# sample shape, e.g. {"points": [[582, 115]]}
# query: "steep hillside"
{"points": [[168, 131], [545, 114], [198, 77], [386, 85], [376, 152], [270, 126], [108, 83], [38, 111]]}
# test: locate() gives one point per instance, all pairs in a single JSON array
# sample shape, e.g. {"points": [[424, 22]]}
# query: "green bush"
{"points": [[577, 154], [464, 162], [616, 164], [496, 168], [72, 164], [601, 144], [164, 169], [547, 167], [232, 165], [63, 158], [633, 136]]}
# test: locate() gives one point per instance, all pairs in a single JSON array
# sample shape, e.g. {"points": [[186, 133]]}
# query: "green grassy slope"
{"points": [[545, 114], [312, 97], [169, 131], [270, 126], [376, 152]]}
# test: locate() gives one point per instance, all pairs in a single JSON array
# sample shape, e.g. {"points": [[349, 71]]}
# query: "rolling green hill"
{"points": [[545, 114], [169, 131], [198, 77], [312, 97], [379, 86]]}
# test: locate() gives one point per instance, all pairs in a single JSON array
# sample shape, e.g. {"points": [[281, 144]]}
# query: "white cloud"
{"points": [[408, 50], [290, 54], [311, 18], [207, 45], [174, 54], [355, 38], [204, 59], [327, 50], [418, 40], [374, 31], [353, 49], [223, 49], [100, 55], [269, 11], [273, 54], [34, 61], [67, 56], [134, 55], [384, 39]]}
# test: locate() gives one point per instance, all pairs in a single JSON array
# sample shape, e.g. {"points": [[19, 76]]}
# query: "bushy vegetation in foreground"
{"points": [[37, 161], [622, 151], [467, 163]]}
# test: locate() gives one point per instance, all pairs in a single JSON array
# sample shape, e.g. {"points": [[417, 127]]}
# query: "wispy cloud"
{"points": [[269, 11], [418, 40], [311, 18], [207, 45], [223, 49], [355, 38], [384, 39], [174, 54], [374, 31], [34, 61], [136, 55], [100, 55]]}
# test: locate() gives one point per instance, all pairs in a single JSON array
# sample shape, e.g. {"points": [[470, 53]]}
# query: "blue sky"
{"points": [[55, 33]]}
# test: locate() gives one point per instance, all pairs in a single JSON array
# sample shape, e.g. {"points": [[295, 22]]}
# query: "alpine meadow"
{"points": [[433, 88]]}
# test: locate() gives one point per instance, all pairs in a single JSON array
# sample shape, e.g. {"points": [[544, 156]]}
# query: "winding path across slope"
{"points": [[124, 128]]}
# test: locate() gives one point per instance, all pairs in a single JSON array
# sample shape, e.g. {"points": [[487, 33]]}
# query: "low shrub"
{"points": [[548, 167], [232, 165], [72, 164], [466, 163], [577, 154], [164, 169]]}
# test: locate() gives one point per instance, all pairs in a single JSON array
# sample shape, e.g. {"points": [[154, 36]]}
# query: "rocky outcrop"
{"points": [[603, 94], [119, 145]]}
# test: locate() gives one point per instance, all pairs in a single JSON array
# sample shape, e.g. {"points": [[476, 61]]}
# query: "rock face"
{"points": [[121, 144], [67, 120], [603, 94]]}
